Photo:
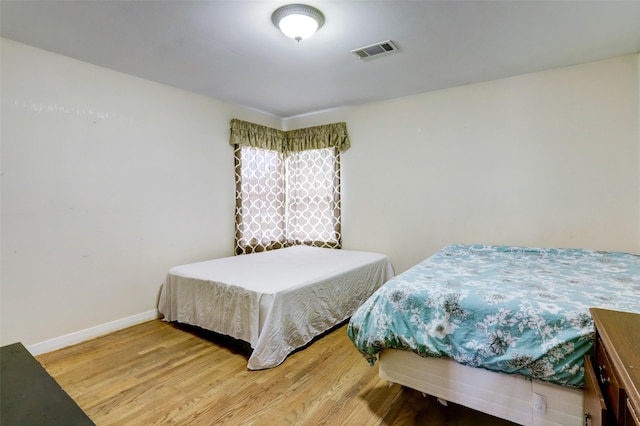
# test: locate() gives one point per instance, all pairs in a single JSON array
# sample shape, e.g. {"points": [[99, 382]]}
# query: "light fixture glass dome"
{"points": [[297, 21], [298, 27]]}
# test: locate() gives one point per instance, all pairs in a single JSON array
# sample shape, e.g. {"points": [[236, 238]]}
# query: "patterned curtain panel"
{"points": [[287, 186], [313, 198], [260, 200]]}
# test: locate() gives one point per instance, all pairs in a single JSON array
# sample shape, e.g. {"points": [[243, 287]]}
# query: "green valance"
{"points": [[317, 137], [257, 136]]}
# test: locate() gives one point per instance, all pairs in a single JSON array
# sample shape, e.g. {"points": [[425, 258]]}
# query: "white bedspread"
{"points": [[277, 301]]}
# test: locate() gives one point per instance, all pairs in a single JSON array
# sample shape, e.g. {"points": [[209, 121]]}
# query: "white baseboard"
{"points": [[90, 333]]}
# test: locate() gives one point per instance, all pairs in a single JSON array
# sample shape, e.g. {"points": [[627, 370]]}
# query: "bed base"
{"points": [[514, 398]]}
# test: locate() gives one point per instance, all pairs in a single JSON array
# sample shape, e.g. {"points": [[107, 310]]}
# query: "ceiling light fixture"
{"points": [[298, 21]]}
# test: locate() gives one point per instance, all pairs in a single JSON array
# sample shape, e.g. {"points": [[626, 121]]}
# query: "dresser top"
{"points": [[620, 333]]}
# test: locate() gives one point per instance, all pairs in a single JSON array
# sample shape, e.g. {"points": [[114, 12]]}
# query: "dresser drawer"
{"points": [[608, 381], [595, 408], [632, 418]]}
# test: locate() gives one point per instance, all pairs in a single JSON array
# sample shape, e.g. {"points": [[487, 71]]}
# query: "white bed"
{"points": [[503, 330], [277, 301]]}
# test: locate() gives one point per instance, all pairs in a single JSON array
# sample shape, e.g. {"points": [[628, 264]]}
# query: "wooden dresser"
{"points": [[612, 374]]}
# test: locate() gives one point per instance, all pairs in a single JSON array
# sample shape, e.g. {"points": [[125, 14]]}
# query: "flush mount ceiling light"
{"points": [[297, 21]]}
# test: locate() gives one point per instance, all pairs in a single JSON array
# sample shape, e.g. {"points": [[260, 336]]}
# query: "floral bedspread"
{"points": [[510, 309]]}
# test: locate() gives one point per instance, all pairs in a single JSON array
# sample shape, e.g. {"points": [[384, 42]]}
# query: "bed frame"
{"points": [[511, 397]]}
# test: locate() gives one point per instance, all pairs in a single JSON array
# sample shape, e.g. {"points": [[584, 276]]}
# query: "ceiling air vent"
{"points": [[375, 49]]}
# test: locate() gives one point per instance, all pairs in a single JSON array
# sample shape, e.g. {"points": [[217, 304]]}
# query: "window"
{"points": [[289, 195]]}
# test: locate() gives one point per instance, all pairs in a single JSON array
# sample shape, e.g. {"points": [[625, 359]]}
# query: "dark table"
{"points": [[30, 396]]}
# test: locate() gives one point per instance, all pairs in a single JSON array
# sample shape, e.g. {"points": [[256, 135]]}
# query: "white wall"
{"points": [[545, 159], [108, 180]]}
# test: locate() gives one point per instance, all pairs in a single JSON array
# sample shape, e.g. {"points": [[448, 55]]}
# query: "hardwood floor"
{"points": [[158, 374]]}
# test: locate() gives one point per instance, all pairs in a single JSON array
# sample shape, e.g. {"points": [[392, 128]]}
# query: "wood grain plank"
{"points": [[157, 373]]}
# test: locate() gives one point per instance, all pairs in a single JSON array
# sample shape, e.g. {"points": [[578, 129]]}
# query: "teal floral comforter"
{"points": [[510, 309]]}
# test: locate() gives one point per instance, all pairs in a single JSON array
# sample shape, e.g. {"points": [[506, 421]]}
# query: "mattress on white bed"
{"points": [[517, 310], [277, 301]]}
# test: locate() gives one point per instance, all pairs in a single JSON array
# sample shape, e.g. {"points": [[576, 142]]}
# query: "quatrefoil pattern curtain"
{"points": [[287, 186]]}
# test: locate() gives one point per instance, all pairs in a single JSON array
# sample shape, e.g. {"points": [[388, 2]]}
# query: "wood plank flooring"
{"points": [[156, 373]]}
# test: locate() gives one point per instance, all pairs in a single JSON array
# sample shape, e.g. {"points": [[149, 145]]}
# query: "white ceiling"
{"points": [[230, 50]]}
